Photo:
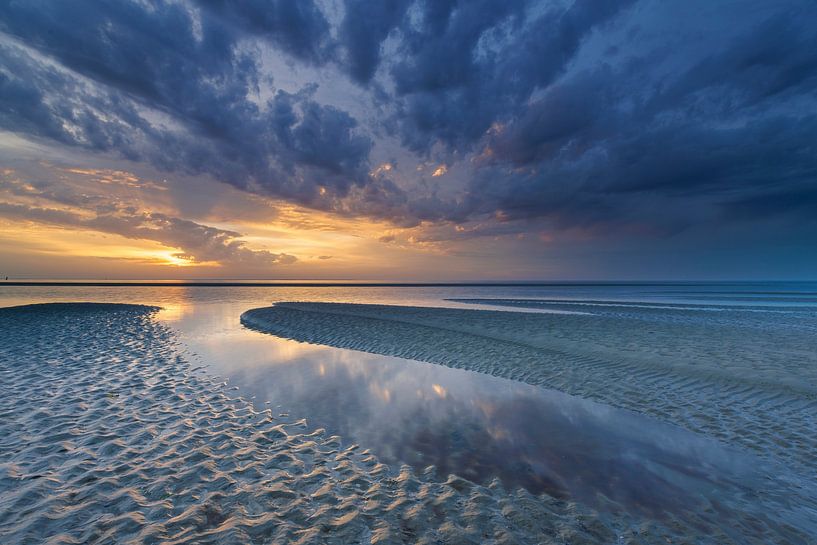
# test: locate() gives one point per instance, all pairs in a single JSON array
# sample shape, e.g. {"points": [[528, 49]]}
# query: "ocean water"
{"points": [[715, 294], [650, 439]]}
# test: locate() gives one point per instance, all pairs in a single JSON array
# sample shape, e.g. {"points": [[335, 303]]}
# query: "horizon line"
{"points": [[349, 283]]}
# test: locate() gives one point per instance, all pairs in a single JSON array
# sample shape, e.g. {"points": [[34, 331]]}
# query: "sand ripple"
{"points": [[108, 436], [706, 380]]}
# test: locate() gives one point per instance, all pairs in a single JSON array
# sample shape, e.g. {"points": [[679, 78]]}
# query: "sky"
{"points": [[428, 140]]}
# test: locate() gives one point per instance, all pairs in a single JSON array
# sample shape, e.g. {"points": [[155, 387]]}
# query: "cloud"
{"points": [[175, 87], [600, 147], [298, 28], [644, 139], [195, 242], [364, 28], [121, 203], [613, 117], [470, 65], [439, 171]]}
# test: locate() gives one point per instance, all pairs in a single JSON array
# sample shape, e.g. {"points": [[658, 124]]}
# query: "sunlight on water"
{"points": [[473, 425]]}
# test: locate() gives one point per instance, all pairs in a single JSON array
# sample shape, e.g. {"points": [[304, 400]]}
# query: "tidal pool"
{"points": [[475, 426]]}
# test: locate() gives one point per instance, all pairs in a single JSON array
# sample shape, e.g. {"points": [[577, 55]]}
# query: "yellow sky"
{"points": [[36, 241], [70, 215]]}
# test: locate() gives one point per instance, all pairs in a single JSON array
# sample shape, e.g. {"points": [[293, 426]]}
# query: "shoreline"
{"points": [[109, 434]]}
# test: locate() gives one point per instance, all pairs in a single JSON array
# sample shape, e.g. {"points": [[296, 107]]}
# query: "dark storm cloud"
{"points": [[472, 64], [298, 28], [610, 145], [775, 57], [616, 143], [364, 28], [602, 115], [129, 64], [796, 203]]}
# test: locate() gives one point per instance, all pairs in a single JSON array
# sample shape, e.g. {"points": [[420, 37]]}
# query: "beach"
{"points": [[126, 423], [718, 379], [408, 272], [106, 441]]}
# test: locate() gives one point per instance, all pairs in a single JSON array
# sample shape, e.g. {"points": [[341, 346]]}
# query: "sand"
{"points": [[744, 385], [108, 435]]}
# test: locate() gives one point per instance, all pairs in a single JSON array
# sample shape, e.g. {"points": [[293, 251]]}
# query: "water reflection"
{"points": [[472, 425], [479, 428]]}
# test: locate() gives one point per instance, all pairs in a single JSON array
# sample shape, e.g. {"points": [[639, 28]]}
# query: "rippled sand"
{"points": [[703, 384], [749, 381], [107, 435]]}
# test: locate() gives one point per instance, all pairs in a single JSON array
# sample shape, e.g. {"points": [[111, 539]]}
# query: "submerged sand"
{"points": [[747, 381], [108, 435]]}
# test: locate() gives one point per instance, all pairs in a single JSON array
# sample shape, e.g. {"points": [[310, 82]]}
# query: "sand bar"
{"points": [[723, 381]]}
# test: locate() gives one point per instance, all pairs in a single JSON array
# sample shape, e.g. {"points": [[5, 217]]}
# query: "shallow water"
{"points": [[108, 435], [473, 425], [481, 427]]}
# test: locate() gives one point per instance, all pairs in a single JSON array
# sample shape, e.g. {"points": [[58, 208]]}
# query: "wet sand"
{"points": [[108, 435], [751, 383]]}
